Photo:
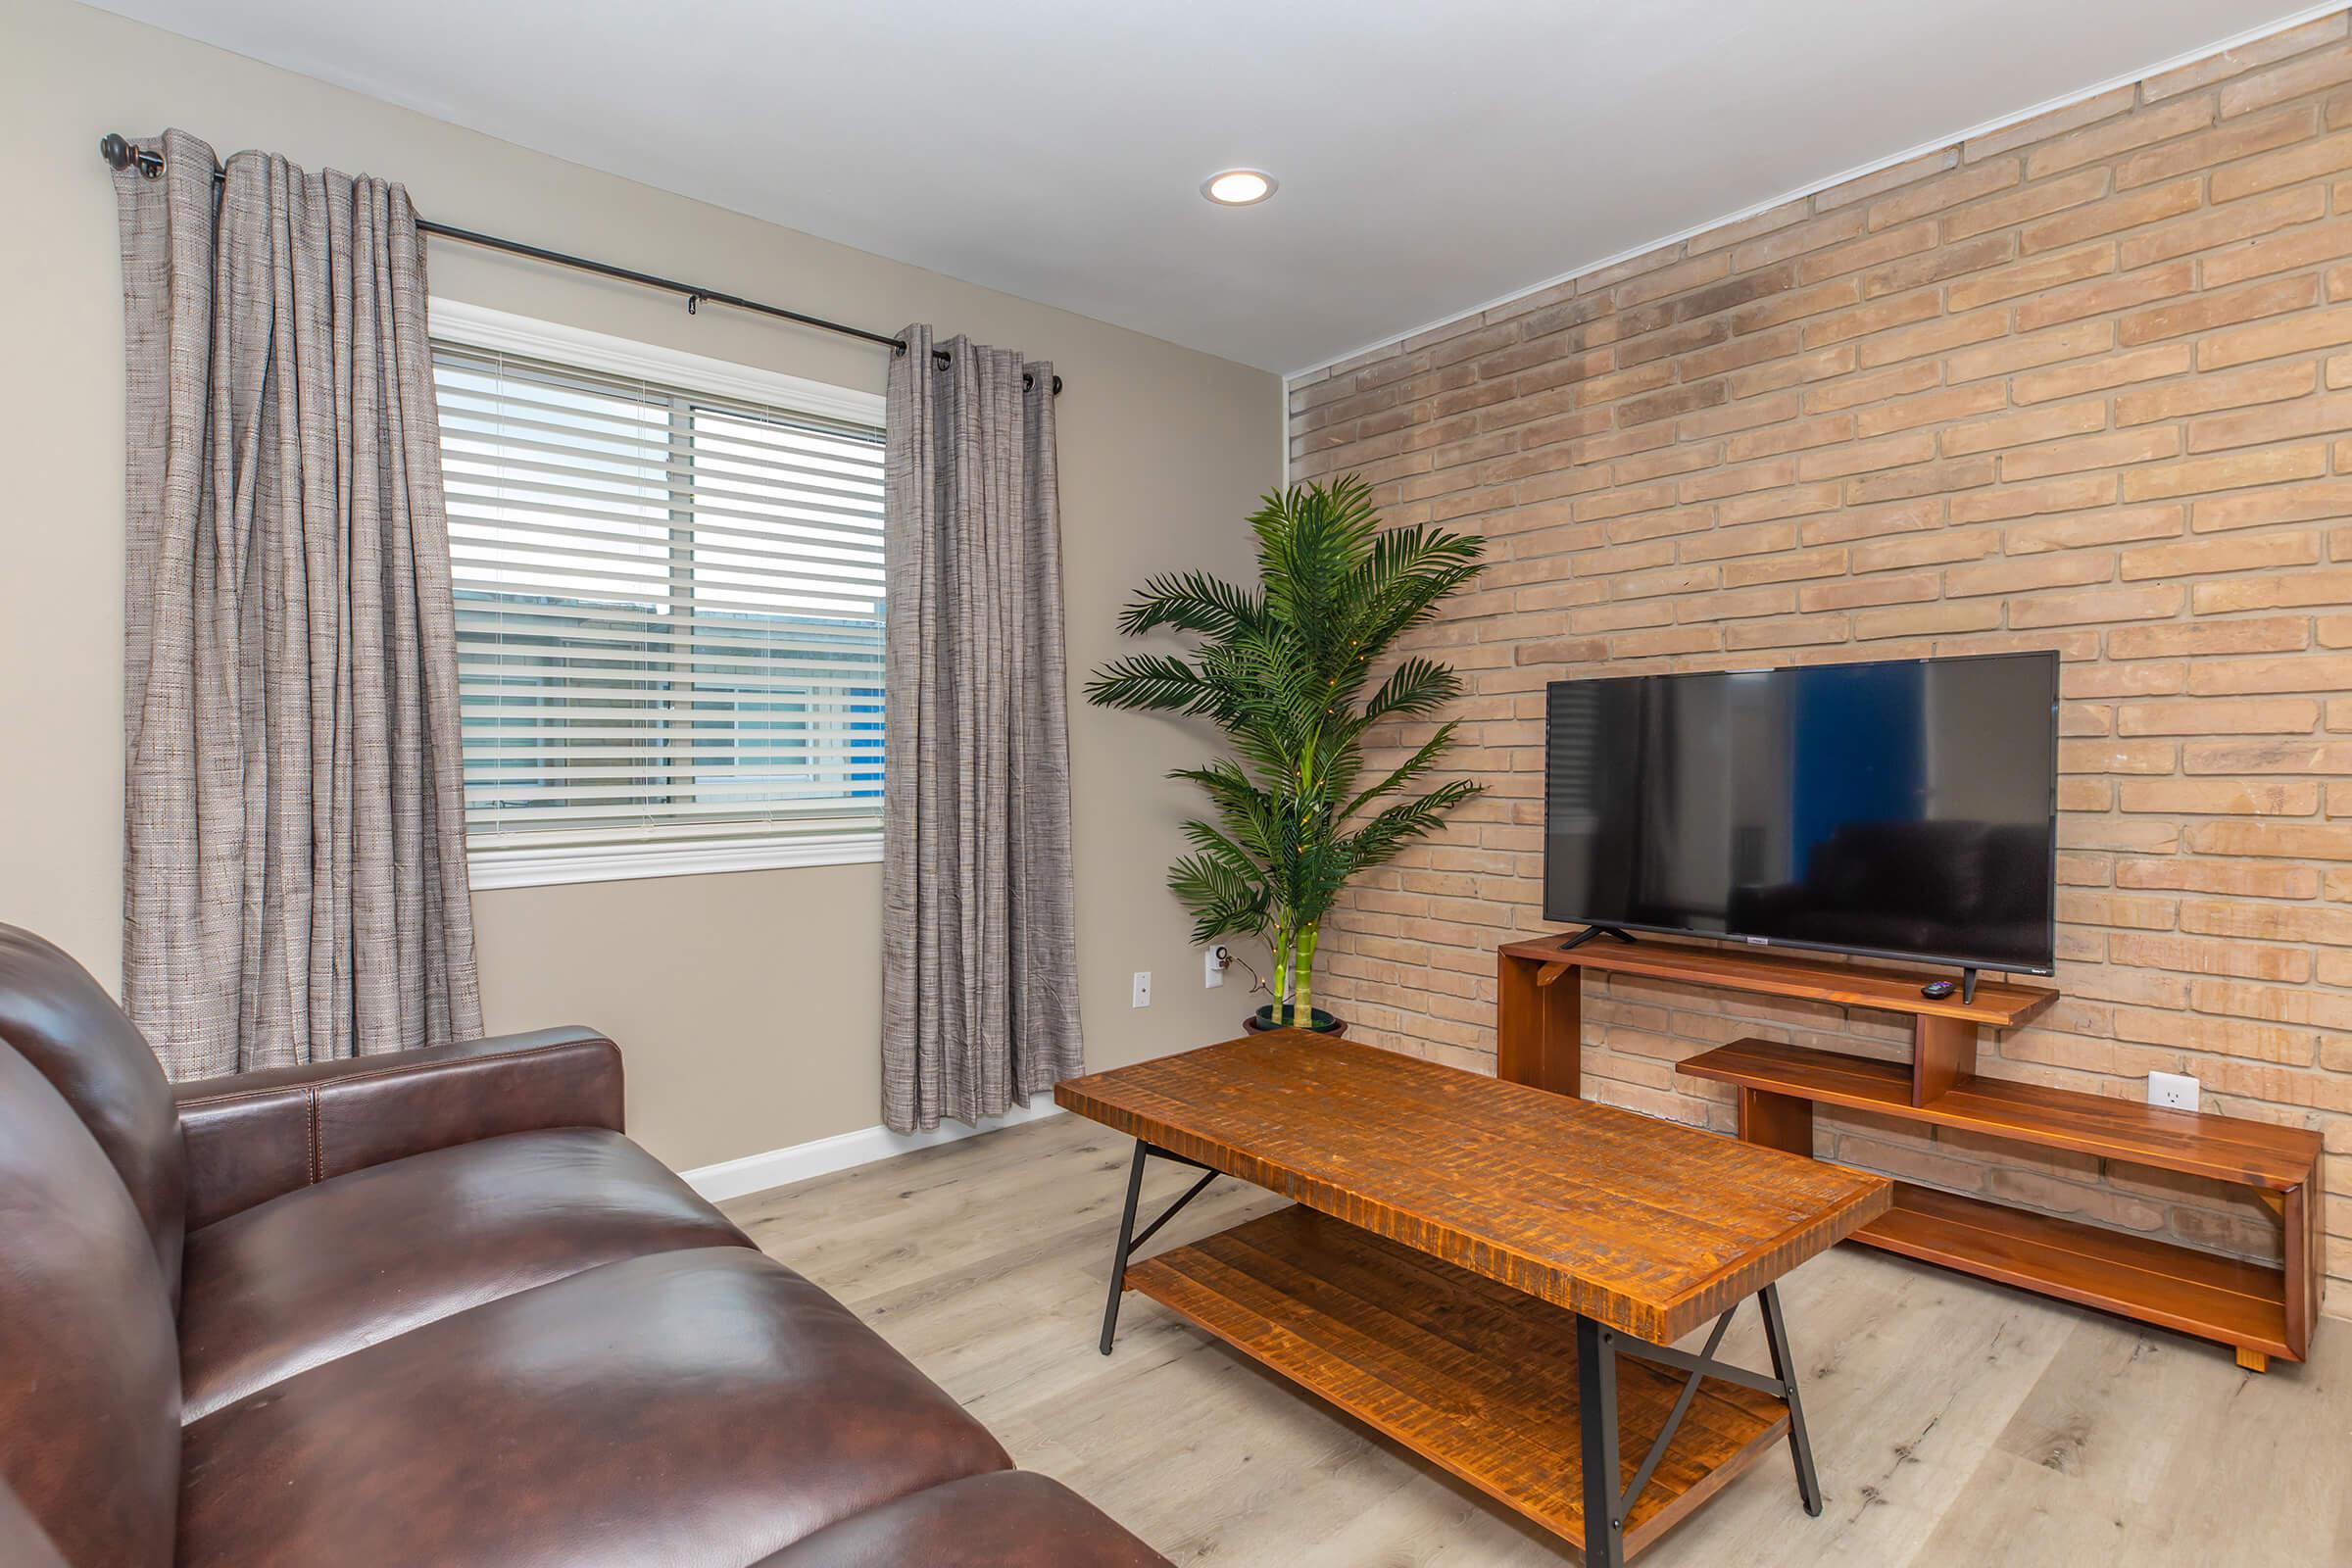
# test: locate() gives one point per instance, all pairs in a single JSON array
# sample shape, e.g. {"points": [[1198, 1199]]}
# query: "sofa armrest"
{"points": [[256, 1135]]}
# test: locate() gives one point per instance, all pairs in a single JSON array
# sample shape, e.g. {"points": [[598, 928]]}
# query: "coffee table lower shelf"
{"points": [[1477, 1378]]}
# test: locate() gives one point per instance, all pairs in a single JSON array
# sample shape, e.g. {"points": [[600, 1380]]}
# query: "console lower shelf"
{"points": [[2204, 1294], [2262, 1311]]}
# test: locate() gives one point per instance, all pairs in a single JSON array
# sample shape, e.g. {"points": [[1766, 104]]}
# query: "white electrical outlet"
{"points": [[1142, 987], [2173, 1090], [1212, 968]]}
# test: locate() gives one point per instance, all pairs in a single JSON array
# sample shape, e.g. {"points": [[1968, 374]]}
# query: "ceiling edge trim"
{"points": [[2237, 40]]}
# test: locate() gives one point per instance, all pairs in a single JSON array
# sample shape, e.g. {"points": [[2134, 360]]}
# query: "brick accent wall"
{"points": [[2081, 383]]}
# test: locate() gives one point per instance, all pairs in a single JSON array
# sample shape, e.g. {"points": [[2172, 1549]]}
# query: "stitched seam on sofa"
{"points": [[207, 1101]]}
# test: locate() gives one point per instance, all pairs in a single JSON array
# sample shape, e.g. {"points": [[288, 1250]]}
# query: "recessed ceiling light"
{"points": [[1238, 187]]}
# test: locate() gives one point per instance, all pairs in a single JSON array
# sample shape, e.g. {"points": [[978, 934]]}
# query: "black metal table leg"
{"points": [[1129, 1241], [1118, 1259], [1596, 1413], [1784, 1367], [1781, 1386]]}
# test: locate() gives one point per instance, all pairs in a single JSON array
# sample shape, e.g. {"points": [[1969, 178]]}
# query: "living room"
{"points": [[1317, 793]]}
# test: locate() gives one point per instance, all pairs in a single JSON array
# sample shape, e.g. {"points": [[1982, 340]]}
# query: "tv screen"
{"points": [[1904, 808]]}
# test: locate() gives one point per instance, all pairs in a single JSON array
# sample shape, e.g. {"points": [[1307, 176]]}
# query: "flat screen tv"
{"points": [[1904, 808]]}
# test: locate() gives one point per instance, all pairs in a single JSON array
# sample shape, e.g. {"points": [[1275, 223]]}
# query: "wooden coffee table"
{"points": [[1468, 1260]]}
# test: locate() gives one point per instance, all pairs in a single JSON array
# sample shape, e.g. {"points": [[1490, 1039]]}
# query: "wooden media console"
{"points": [[2260, 1312]]}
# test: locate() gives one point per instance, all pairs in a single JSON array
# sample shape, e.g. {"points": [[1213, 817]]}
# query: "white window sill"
{"points": [[554, 864]]}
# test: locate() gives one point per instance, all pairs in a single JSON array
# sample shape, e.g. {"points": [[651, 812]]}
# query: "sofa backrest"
{"points": [[60, 1019], [89, 1353]]}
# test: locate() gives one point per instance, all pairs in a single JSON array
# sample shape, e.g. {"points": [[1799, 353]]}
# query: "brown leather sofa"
{"points": [[433, 1308]]}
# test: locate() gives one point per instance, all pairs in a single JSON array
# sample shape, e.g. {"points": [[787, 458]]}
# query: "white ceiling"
{"points": [[1433, 156]]}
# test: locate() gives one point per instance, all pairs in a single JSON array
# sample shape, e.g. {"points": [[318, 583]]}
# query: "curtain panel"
{"points": [[979, 972], [294, 879]]}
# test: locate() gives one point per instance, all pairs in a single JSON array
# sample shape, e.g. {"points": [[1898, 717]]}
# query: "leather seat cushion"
{"points": [[1008, 1520], [322, 1271], [697, 1407]]}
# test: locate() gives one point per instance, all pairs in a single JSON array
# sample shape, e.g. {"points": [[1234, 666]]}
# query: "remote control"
{"points": [[1937, 990]]}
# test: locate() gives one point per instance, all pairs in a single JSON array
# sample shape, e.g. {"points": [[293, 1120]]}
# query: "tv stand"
{"points": [[1592, 931], [2260, 1312]]}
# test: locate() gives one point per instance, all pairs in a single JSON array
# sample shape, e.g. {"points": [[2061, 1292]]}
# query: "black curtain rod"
{"points": [[121, 153]]}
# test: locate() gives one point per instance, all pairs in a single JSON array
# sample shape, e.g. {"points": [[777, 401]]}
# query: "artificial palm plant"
{"points": [[1281, 669]]}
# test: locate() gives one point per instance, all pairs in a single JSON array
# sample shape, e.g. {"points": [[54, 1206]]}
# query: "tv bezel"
{"points": [[1901, 956]]}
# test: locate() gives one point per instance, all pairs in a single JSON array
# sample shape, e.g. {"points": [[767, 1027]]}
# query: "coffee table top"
{"points": [[1648, 1226]]}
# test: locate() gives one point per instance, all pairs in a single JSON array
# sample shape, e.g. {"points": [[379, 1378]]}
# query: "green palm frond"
{"points": [[1392, 828], [1150, 681], [1422, 761], [1225, 900], [1194, 602], [1414, 687], [1409, 574]]}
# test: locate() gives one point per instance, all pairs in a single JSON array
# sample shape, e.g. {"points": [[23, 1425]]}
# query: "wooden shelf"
{"points": [[1474, 1376], [1998, 1003], [2225, 1148], [2180, 1288]]}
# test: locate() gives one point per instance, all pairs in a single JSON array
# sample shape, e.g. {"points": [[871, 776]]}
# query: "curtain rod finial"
{"points": [[121, 153]]}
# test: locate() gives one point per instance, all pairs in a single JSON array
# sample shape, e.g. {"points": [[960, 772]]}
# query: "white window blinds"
{"points": [[669, 610]]}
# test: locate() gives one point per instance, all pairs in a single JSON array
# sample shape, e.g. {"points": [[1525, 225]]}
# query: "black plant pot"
{"points": [[1262, 1020]]}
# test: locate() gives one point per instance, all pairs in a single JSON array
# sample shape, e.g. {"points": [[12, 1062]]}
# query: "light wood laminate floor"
{"points": [[1954, 1421]]}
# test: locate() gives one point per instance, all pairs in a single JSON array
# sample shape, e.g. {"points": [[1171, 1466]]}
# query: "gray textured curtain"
{"points": [[979, 977], [294, 878]]}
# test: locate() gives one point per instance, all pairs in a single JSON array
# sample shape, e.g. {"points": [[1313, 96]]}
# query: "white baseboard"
{"points": [[777, 1167]]}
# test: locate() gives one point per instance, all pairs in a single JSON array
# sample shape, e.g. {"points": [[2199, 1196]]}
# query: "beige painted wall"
{"points": [[749, 1002]]}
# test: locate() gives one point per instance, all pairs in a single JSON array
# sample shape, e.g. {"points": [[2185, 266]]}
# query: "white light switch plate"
{"points": [[1212, 971], [2173, 1090], [1143, 989]]}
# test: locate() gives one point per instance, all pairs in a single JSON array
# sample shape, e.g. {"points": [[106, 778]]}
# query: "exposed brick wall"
{"points": [[2084, 383]]}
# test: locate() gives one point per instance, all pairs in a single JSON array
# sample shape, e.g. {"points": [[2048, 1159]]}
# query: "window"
{"points": [[669, 591]]}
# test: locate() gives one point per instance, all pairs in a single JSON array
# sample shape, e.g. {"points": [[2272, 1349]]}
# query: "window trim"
{"points": [[554, 864], [480, 327], [477, 327]]}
